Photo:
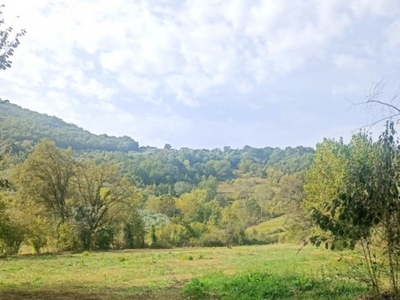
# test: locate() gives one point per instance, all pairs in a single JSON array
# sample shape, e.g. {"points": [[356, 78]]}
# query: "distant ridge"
{"points": [[18, 124]]}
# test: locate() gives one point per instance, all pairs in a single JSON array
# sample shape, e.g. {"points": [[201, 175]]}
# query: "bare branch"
{"points": [[389, 109]]}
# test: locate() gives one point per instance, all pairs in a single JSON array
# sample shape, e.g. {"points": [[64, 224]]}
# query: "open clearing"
{"points": [[152, 274]]}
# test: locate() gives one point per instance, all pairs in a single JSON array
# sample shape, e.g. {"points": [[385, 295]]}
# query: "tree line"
{"points": [[62, 200]]}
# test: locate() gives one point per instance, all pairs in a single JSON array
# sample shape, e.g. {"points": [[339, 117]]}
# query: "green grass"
{"points": [[269, 226], [268, 286], [177, 274], [236, 187]]}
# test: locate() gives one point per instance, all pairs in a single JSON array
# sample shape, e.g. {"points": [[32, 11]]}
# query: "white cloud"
{"points": [[348, 61], [382, 8], [199, 41], [393, 35], [91, 88], [160, 54]]}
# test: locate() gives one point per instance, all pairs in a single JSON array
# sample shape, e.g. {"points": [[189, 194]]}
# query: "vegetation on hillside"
{"points": [[21, 128], [97, 199]]}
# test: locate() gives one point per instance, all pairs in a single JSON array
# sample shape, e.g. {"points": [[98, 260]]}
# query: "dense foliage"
{"points": [[352, 195], [100, 199]]}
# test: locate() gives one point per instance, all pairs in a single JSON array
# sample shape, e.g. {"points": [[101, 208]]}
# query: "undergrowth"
{"points": [[268, 286]]}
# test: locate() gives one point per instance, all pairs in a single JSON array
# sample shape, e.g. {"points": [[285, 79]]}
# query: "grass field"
{"points": [[189, 273]]}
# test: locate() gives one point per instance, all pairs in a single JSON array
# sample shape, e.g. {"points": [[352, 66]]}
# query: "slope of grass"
{"points": [[240, 187], [269, 226], [161, 274], [269, 232]]}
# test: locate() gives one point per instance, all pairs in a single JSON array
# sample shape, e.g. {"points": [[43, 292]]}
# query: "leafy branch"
{"points": [[8, 43]]}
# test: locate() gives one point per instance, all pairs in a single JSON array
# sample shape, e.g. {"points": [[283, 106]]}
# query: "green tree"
{"points": [[45, 177], [193, 206], [264, 195], [38, 232], [181, 187], [168, 206], [291, 196], [363, 209], [234, 224], [96, 189], [3, 182], [252, 211], [12, 231], [134, 232], [209, 184]]}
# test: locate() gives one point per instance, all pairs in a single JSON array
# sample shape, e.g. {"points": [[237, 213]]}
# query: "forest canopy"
{"points": [[86, 191]]}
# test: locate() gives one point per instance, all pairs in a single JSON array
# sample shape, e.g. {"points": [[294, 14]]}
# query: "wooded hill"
{"points": [[143, 196], [23, 125]]}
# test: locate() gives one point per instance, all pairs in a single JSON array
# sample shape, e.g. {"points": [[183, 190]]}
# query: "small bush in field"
{"points": [[11, 239], [187, 257]]}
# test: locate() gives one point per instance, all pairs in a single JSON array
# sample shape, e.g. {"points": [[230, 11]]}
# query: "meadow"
{"points": [[249, 272]]}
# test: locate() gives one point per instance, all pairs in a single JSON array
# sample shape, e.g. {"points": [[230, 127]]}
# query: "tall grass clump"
{"points": [[268, 286]]}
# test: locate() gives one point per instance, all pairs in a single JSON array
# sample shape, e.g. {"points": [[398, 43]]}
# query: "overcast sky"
{"points": [[205, 73]]}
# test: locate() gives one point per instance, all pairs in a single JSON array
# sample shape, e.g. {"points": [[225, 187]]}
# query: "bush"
{"points": [[187, 257], [38, 242], [262, 240], [11, 237], [103, 238], [38, 233], [212, 239], [134, 232], [68, 239], [175, 235]]}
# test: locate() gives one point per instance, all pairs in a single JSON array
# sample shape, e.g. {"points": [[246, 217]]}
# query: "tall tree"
{"points": [[45, 178], [364, 209], [97, 188]]}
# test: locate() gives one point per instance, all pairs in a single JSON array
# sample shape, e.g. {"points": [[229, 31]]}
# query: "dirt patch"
{"points": [[15, 295], [172, 292], [384, 296]]}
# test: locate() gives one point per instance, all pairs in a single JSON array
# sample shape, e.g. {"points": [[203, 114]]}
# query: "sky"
{"points": [[205, 74]]}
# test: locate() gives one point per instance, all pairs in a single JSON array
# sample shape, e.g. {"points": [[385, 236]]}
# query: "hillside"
{"points": [[18, 125], [177, 197], [166, 171]]}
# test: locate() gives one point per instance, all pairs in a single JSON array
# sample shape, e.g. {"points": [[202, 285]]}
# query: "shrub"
{"points": [[212, 239], [68, 239], [38, 242], [174, 235], [11, 237], [103, 238], [187, 257]]}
